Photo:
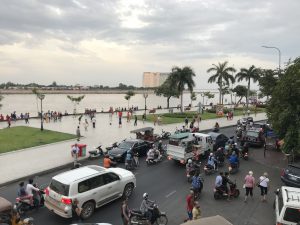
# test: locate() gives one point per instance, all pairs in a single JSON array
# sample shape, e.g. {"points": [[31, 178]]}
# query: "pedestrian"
{"points": [[263, 183], [128, 116], [120, 118], [249, 184], [79, 119], [186, 121], [86, 125], [8, 122], [196, 211], [76, 211], [190, 204], [94, 121], [248, 112], [135, 120], [78, 133], [227, 115], [125, 213], [155, 119], [158, 120], [144, 118]]}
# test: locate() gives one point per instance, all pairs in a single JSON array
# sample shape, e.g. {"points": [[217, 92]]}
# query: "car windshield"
{"points": [[59, 188], [252, 134], [292, 215], [126, 145]]}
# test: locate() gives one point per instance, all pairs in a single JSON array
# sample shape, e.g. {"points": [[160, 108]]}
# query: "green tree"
{"points": [[54, 84], [283, 108], [240, 91], [208, 95], [267, 82], [167, 90], [128, 95], [75, 101], [248, 74], [224, 91], [181, 77], [221, 73]]}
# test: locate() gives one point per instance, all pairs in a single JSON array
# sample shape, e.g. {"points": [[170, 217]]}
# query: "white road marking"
{"points": [[168, 195]]}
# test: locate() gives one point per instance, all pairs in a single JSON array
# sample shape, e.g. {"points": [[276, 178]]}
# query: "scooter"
{"points": [[208, 169], [220, 193], [23, 205], [96, 153]]}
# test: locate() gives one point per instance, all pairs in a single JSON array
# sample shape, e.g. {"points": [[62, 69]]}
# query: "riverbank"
{"points": [[103, 91]]}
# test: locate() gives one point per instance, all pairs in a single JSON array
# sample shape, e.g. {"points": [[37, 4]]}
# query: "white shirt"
{"points": [[29, 188], [94, 120], [75, 149], [263, 181]]}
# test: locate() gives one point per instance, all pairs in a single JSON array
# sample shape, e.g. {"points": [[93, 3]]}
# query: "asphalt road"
{"points": [[166, 183]]}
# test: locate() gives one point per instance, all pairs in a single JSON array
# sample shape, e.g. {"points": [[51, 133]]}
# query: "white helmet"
{"points": [[145, 196], [211, 154], [190, 161]]}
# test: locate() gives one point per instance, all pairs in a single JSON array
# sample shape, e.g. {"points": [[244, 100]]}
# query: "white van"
{"points": [[205, 141]]}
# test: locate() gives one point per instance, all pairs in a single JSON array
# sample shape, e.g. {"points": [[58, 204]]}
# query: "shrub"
{"points": [[180, 115]]}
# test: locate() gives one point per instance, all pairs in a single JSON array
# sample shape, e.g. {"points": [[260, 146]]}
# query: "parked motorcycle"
{"points": [[220, 193], [96, 153], [158, 217], [23, 205], [113, 145]]}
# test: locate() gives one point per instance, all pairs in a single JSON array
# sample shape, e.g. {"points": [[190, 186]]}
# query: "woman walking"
{"points": [[264, 184], [249, 183]]}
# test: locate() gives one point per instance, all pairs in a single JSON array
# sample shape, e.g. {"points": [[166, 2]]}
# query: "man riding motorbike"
{"points": [[233, 159], [220, 156], [197, 183], [30, 188], [212, 162], [146, 208], [219, 180], [150, 154], [225, 181]]}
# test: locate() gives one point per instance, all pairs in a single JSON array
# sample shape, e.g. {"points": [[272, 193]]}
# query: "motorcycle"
{"points": [[220, 193], [158, 217], [23, 205], [165, 135], [233, 169], [96, 153], [190, 173], [208, 169], [113, 145], [151, 161]]}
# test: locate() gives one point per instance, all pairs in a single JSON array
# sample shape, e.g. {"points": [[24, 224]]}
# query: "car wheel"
{"points": [[88, 209], [128, 190]]}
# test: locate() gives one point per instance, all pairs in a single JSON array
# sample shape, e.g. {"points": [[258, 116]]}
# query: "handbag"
{"points": [[244, 186], [258, 183]]}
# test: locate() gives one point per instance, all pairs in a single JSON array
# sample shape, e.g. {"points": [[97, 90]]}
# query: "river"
{"points": [[22, 103]]}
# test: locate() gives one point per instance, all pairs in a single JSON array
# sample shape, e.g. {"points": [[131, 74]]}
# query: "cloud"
{"points": [[113, 40]]}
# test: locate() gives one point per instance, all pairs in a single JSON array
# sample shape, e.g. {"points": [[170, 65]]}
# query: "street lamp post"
{"points": [[145, 94], [279, 54], [41, 97]]}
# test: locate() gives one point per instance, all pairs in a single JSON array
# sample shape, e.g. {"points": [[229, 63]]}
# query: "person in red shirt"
{"points": [[190, 204]]}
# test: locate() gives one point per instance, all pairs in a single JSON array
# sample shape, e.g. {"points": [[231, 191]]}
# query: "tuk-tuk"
{"points": [[9, 216], [183, 146], [145, 134]]}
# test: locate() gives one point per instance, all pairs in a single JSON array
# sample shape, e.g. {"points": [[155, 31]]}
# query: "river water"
{"points": [[59, 102]]}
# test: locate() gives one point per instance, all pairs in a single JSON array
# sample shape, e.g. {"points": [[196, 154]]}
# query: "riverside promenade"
{"points": [[25, 162]]}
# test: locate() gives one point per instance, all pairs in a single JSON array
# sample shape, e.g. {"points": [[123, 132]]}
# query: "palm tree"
{"points": [[128, 95], [193, 98], [180, 77], [222, 73], [248, 74], [75, 101]]}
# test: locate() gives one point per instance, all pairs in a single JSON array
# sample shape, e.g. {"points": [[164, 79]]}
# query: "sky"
{"points": [[107, 42]]}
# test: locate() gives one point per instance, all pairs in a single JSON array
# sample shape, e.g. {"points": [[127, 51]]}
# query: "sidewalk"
{"points": [[29, 161]]}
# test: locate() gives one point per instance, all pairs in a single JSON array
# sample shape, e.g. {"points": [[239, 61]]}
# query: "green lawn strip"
{"points": [[169, 118], [20, 137]]}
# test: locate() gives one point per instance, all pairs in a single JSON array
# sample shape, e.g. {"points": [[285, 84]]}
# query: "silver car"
{"points": [[93, 186]]}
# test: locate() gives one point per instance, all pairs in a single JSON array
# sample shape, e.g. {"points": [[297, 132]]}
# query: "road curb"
{"points": [[81, 160]]}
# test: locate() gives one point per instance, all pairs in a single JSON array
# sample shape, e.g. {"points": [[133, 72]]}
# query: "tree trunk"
{"points": [[181, 102], [248, 91], [220, 97], [168, 102], [238, 102]]}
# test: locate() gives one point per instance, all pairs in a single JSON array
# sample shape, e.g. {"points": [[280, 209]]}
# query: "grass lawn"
{"points": [[168, 118], [24, 137]]}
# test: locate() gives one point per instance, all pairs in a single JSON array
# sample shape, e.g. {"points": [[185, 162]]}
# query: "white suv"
{"points": [[93, 186], [287, 206]]}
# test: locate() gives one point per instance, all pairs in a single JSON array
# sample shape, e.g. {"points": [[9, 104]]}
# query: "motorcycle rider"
{"points": [[29, 190], [233, 160], [220, 156], [129, 158], [231, 140], [159, 146], [212, 162], [107, 163], [235, 149], [216, 127], [146, 207], [219, 180], [196, 183], [150, 154], [225, 181], [157, 155]]}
